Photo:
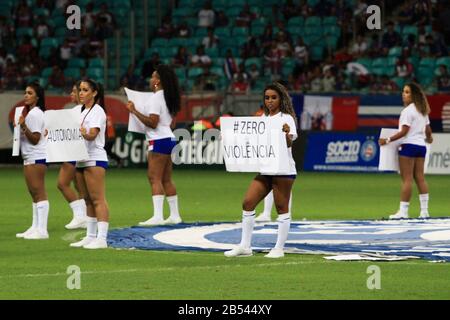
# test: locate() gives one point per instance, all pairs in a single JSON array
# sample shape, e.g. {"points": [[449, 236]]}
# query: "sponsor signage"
{"points": [[342, 152]]}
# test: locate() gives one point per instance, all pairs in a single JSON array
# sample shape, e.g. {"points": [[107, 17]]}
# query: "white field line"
{"points": [[261, 265], [164, 269]]}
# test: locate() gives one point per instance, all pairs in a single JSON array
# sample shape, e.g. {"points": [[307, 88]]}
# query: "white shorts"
{"points": [[29, 162], [92, 163]]}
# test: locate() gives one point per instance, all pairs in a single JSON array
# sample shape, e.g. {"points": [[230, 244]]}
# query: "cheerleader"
{"points": [[159, 119], [90, 173], [33, 149], [277, 104], [414, 127], [67, 175]]}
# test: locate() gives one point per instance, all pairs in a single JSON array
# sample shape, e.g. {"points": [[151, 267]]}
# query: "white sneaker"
{"points": [[239, 252], [275, 253], [37, 234], [76, 223], [152, 222], [172, 220], [23, 234], [263, 218], [85, 241], [398, 215], [97, 244], [424, 215]]}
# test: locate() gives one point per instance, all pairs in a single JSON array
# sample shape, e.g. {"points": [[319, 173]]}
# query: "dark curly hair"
{"points": [[285, 100], [169, 82]]}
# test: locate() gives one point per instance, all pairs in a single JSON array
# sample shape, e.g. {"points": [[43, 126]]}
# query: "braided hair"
{"points": [[169, 82], [285, 100]]}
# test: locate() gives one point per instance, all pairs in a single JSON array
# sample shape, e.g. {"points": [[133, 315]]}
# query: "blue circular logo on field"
{"points": [[368, 150]]}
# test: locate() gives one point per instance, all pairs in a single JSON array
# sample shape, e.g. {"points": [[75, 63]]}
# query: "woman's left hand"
{"points": [[21, 121], [286, 128], [131, 107], [382, 141], [83, 131]]}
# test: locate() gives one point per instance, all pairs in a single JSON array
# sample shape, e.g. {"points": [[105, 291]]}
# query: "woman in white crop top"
{"points": [[33, 149], [414, 128], [91, 173], [159, 119], [277, 104]]}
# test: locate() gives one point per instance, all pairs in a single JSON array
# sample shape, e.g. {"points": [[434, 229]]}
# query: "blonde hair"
{"points": [[419, 98], [285, 100]]}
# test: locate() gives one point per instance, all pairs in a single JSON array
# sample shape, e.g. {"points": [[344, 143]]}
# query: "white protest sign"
{"points": [[64, 140], [254, 144], [139, 99], [389, 152], [16, 136]]}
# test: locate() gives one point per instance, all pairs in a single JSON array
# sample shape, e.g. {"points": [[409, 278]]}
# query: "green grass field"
{"points": [[37, 269]]}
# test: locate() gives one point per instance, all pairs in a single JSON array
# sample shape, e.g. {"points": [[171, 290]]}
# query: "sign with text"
{"points": [[139, 99], [16, 141], [64, 140], [254, 144]]}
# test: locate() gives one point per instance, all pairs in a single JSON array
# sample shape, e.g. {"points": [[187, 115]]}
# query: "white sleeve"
{"points": [[406, 118], [155, 107], [427, 120], [98, 118], [35, 122], [293, 128]]}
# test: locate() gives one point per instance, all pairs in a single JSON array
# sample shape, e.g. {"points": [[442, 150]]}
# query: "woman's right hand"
{"points": [[131, 107], [429, 139]]}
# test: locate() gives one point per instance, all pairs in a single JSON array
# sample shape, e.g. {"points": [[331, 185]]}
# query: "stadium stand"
{"points": [[284, 40]]}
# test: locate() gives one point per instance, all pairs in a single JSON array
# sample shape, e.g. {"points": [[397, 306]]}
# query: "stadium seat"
{"points": [[233, 12], [444, 61], [427, 62], [259, 30], [317, 53], [218, 71], [184, 12], [240, 31], [46, 72], [73, 73], [41, 12], [296, 21], [395, 52], [76, 63], [313, 21], [332, 42], [20, 32], [332, 30], [201, 32], [222, 32], [96, 63], [50, 42], [399, 81], [410, 29], [194, 72], [45, 52], [256, 61], [391, 61], [95, 73], [330, 20], [159, 42], [212, 52]]}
